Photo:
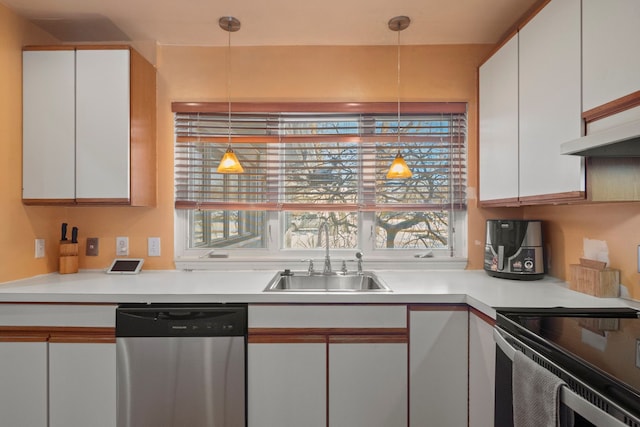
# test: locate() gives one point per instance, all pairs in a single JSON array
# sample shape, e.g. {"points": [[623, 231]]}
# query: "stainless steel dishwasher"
{"points": [[181, 365]]}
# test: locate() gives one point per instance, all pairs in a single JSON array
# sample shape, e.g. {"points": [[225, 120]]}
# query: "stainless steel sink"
{"points": [[302, 281]]}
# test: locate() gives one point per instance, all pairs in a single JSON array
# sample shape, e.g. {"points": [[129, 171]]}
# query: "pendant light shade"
{"points": [[229, 162], [399, 168]]}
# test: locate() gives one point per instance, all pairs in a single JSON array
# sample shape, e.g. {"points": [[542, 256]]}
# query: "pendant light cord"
{"points": [[398, 88], [229, 81]]}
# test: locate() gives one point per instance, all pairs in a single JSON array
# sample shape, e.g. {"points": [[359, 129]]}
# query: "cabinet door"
{"points": [[482, 357], [102, 124], [499, 124], [550, 101], [287, 384], [48, 125], [438, 369], [368, 384], [82, 384], [610, 32], [23, 384]]}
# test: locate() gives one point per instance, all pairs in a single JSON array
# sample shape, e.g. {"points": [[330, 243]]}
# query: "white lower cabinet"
{"points": [[368, 384], [334, 365], [82, 384], [438, 365], [23, 383], [287, 384], [57, 365], [482, 362]]}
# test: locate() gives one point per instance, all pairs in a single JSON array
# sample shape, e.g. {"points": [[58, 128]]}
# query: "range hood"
{"points": [[619, 141]]}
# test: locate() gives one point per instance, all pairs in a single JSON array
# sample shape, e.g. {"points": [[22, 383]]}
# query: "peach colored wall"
{"points": [[429, 73], [20, 225], [616, 223], [321, 73]]}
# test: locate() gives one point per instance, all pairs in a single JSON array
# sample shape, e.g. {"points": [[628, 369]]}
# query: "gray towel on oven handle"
{"points": [[536, 394]]}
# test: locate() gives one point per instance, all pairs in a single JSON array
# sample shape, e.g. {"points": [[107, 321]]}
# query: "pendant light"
{"points": [[399, 168], [229, 162]]}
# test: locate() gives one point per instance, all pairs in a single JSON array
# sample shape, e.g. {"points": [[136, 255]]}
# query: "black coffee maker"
{"points": [[513, 249]]}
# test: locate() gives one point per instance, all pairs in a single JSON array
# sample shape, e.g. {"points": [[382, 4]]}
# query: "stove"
{"points": [[599, 347]]}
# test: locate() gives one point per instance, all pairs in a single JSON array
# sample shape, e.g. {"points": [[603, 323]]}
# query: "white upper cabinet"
{"points": [[499, 124], [102, 124], [88, 126], [550, 101], [610, 63], [48, 142]]}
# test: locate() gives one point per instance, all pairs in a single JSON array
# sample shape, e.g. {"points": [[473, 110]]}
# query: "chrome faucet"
{"points": [[327, 260]]}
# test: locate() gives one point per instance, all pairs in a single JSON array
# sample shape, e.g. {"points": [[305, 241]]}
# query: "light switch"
{"points": [[39, 248], [153, 246], [122, 246]]}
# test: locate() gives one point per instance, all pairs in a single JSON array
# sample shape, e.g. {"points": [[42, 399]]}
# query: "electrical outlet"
{"points": [[122, 246], [92, 246], [153, 246], [39, 248]]}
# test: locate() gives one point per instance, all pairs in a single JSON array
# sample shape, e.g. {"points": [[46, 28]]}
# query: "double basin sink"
{"points": [[302, 281]]}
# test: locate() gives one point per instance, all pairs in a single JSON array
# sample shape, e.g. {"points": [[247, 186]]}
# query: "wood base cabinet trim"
{"points": [[480, 315], [253, 332], [76, 335], [439, 307], [368, 339], [287, 339]]}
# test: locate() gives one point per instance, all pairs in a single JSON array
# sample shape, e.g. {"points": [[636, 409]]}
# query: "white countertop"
{"points": [[474, 287]]}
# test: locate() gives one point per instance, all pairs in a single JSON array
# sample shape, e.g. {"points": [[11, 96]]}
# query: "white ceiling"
{"points": [[274, 22]]}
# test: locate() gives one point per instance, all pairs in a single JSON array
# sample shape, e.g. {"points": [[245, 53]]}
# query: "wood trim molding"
{"points": [[79, 47], [93, 202], [569, 196], [485, 318], [517, 26], [512, 202], [287, 339], [253, 332], [439, 307], [48, 202], [613, 107], [368, 339], [58, 334], [317, 107]]}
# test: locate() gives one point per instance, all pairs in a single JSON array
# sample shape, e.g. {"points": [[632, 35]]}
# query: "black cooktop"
{"points": [[599, 346]]}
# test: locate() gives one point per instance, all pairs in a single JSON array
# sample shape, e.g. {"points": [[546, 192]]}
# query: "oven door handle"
{"points": [[591, 413]]}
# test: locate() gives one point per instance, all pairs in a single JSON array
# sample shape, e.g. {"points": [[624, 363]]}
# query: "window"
{"points": [[310, 164]]}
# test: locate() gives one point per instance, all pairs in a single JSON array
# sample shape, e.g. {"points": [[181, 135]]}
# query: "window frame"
{"points": [[273, 254]]}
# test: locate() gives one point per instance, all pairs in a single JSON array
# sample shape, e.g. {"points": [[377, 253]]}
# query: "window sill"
{"points": [[230, 264]]}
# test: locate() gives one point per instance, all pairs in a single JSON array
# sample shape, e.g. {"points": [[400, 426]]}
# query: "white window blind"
{"points": [[321, 156]]}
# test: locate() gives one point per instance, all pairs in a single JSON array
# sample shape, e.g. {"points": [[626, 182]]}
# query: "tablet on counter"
{"points": [[125, 266]]}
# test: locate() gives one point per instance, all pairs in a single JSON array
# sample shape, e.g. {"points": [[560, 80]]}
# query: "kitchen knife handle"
{"points": [[63, 237], [74, 235]]}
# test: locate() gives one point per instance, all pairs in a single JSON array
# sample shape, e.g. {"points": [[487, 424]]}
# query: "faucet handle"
{"points": [[344, 267]]}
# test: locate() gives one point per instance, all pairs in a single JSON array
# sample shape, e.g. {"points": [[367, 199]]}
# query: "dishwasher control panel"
{"points": [[181, 320]]}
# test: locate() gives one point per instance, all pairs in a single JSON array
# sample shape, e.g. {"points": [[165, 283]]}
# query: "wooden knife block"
{"points": [[603, 283], [68, 258]]}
